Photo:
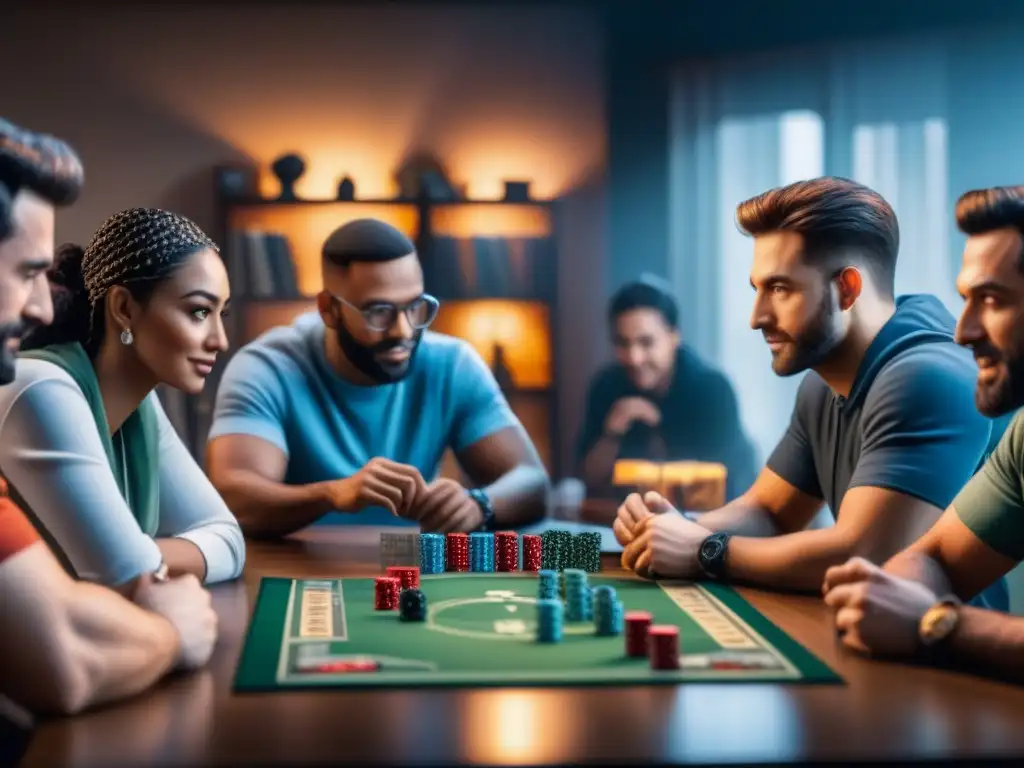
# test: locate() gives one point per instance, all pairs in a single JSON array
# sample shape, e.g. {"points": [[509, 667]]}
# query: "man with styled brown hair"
{"points": [[884, 429]]}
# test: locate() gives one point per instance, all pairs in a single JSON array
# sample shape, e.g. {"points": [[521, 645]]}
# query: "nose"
{"points": [[760, 316], [218, 340], [403, 327], [39, 308], [969, 329]]}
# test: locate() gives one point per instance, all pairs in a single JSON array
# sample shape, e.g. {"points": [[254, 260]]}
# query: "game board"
{"points": [[480, 629]]}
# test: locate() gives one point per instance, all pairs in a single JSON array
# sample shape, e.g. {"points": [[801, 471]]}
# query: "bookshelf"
{"points": [[492, 264]]}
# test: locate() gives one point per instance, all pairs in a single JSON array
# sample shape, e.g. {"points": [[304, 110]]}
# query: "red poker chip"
{"points": [[663, 646], [385, 593]]}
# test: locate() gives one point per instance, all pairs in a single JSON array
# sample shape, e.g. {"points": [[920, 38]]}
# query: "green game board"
{"points": [[480, 632]]}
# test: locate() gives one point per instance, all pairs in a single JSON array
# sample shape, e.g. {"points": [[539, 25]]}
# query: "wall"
{"points": [[154, 97]]}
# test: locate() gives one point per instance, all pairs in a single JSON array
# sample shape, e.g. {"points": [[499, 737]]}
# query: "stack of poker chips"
{"points": [[506, 551], [407, 575], [586, 552], [578, 598], [663, 646], [547, 585], [457, 551], [549, 621], [556, 549], [532, 549], [385, 593], [609, 613], [638, 623], [481, 552], [412, 605], [432, 554]]}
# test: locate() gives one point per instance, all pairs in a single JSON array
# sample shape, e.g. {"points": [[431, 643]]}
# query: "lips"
{"points": [[203, 366], [395, 355]]}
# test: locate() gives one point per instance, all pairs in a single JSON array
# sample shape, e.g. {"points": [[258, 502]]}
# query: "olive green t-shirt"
{"points": [[991, 505]]}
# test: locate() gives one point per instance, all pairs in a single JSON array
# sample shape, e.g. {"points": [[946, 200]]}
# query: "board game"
{"points": [[467, 621]]}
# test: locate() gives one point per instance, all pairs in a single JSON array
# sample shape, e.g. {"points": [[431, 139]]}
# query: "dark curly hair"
{"points": [[138, 248], [38, 162]]}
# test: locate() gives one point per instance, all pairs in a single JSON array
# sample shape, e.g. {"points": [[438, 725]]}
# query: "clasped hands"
{"points": [[442, 506], [657, 539]]}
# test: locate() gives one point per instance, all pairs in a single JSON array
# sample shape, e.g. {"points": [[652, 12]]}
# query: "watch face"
{"points": [[711, 549]]}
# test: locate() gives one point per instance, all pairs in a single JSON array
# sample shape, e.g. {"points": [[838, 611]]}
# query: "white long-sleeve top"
{"points": [[51, 452]]}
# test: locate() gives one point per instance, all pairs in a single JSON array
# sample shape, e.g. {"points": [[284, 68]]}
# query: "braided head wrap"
{"points": [[138, 248]]}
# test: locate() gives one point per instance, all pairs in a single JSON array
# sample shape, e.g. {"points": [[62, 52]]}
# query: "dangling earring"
{"points": [[126, 337]]}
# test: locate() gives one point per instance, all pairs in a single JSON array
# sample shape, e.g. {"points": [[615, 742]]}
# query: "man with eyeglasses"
{"points": [[351, 408]]}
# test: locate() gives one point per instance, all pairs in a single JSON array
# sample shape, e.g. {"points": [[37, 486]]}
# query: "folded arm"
{"points": [[66, 645]]}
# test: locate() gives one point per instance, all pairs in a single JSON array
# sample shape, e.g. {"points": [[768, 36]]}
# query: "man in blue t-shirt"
{"points": [[351, 409]]}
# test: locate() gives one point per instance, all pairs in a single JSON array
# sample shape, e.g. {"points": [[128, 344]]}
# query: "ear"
{"points": [[122, 309], [850, 283], [327, 307]]}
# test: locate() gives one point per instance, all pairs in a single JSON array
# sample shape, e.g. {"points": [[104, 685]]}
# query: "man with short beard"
{"points": [[350, 409], [884, 429], [912, 607]]}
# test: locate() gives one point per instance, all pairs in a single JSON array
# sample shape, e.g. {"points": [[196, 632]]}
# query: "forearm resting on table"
{"points": [[519, 497], [181, 556], [78, 645], [794, 561], [599, 463], [741, 517], [917, 566], [266, 509], [989, 642]]}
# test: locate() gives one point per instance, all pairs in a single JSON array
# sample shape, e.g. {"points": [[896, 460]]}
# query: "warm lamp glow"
{"points": [[519, 327], [306, 228], [490, 221], [518, 727]]}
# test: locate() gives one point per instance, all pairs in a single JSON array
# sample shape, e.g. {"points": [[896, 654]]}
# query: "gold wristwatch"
{"points": [[939, 621]]}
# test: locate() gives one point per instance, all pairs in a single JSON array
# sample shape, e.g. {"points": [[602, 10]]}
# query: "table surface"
{"points": [[886, 711]]}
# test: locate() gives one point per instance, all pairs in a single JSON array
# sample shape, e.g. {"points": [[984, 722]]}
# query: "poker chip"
{"points": [[608, 612], [481, 552], [385, 593], [547, 585], [637, 624], [586, 552], [457, 551], [532, 552], [432, 553], [549, 621], [556, 549], [412, 605], [407, 575], [663, 646], [506, 551], [578, 606]]}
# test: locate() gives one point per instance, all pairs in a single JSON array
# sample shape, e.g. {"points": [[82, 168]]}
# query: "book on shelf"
{"points": [[260, 265]]}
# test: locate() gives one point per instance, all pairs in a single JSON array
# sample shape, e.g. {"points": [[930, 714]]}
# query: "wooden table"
{"points": [[885, 712]]}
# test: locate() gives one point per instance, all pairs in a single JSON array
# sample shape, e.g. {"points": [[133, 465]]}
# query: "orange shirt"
{"points": [[16, 532]]}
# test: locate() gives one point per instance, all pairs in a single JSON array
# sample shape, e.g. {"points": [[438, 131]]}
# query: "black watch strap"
{"points": [[712, 553], [484, 502]]}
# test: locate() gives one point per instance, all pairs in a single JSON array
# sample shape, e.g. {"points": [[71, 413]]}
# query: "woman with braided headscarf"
{"points": [[85, 446]]}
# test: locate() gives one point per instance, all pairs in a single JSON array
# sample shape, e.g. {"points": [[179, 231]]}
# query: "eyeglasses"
{"points": [[381, 316]]}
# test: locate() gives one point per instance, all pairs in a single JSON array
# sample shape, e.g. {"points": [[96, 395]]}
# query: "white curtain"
{"points": [[874, 112]]}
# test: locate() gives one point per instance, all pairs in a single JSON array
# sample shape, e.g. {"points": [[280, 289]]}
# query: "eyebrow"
{"points": [[206, 295], [34, 264], [987, 285], [775, 278]]}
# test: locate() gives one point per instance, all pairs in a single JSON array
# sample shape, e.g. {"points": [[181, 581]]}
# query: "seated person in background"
{"points": [[659, 401], [351, 409], [67, 645], [85, 446], [910, 608], [884, 429]]}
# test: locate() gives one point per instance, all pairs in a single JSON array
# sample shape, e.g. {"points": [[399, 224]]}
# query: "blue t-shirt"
{"points": [[282, 389]]}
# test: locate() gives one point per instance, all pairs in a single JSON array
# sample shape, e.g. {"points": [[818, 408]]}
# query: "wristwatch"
{"points": [[712, 553], [484, 502], [937, 625]]}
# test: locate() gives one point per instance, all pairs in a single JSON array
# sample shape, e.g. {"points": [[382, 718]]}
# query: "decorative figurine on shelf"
{"points": [[517, 191], [502, 373], [288, 169], [347, 189], [422, 177]]}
